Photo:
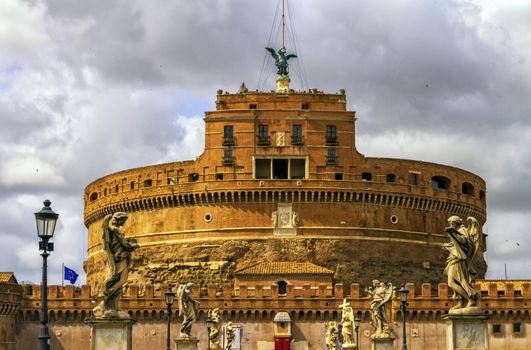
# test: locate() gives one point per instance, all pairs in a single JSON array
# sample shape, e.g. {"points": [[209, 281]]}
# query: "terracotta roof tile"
{"points": [[7, 277], [500, 284], [285, 268]]}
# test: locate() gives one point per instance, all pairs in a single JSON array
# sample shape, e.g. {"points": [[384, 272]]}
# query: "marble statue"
{"points": [[274, 219], [187, 309], [215, 334], [229, 331], [381, 295], [294, 219], [281, 60], [462, 249], [331, 335], [118, 250], [347, 323]]}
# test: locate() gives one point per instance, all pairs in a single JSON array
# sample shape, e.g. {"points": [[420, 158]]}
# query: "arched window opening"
{"points": [[390, 178], [440, 182], [93, 196], [468, 188], [282, 287]]}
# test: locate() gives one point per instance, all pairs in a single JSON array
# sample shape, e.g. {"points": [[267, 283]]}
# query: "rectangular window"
{"points": [[280, 168], [219, 176], [305, 106], [413, 179], [296, 138], [331, 157], [339, 176], [297, 168], [227, 157], [252, 106], [228, 135], [331, 136], [496, 328], [263, 135], [263, 168], [517, 327]]}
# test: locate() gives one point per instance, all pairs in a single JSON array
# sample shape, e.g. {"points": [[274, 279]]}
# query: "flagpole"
{"points": [[63, 275]]}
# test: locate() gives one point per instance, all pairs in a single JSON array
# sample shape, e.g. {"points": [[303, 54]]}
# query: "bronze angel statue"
{"points": [[281, 60], [462, 249]]}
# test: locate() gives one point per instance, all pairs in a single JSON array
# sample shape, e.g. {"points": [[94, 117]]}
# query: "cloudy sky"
{"points": [[92, 87]]}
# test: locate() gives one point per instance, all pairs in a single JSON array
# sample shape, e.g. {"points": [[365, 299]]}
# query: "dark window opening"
{"points": [[228, 135], [193, 177], [331, 136], [282, 287], [468, 188], [252, 106], [501, 293], [517, 327], [305, 106], [227, 157], [171, 181], [331, 157], [296, 138], [280, 168], [298, 168], [93, 196], [339, 176], [413, 179], [366, 177], [219, 176], [116, 189], [496, 328], [263, 168], [105, 192], [440, 182], [482, 196], [390, 178], [263, 135], [132, 185], [148, 183], [484, 293], [517, 293]]}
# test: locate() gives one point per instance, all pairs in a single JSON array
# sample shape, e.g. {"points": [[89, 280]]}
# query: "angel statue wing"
{"points": [[180, 292], [473, 232], [273, 53], [291, 56]]}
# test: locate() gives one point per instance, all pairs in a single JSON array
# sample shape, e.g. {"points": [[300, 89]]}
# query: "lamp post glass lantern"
{"points": [[46, 220], [209, 325], [169, 295], [357, 322], [402, 294]]}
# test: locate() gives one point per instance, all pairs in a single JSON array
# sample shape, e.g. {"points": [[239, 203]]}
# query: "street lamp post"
{"points": [[209, 325], [357, 322], [402, 293], [169, 301], [46, 220]]}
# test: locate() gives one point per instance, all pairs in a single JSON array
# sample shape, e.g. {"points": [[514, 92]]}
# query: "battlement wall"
{"points": [[71, 304]]}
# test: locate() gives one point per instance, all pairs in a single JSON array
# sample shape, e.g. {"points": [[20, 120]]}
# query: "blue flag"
{"points": [[70, 275]]}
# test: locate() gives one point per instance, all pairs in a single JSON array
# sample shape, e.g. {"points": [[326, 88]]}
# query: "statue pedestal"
{"points": [[349, 347], [113, 333], [186, 344], [283, 83], [466, 331], [382, 343]]}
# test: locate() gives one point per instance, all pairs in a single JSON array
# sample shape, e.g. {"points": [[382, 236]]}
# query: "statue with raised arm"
{"points": [[381, 295], [215, 335], [281, 60], [331, 335], [187, 309], [347, 323], [462, 249], [118, 250]]}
